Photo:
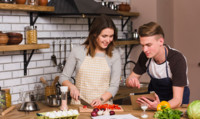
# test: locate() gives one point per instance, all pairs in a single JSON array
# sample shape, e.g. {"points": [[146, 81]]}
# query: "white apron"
{"points": [[93, 79]]}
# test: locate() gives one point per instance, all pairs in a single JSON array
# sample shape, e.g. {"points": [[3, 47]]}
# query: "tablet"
{"points": [[135, 96]]}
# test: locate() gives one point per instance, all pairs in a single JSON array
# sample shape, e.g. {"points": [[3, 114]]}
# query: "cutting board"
{"points": [[81, 109]]}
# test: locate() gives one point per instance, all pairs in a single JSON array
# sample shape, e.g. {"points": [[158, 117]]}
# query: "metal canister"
{"points": [[31, 35], [2, 100]]}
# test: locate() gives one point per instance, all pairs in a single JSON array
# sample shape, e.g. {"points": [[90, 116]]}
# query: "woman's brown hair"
{"points": [[99, 24], [150, 29]]}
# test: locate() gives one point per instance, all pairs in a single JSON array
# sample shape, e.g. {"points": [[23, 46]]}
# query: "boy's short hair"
{"points": [[150, 29]]}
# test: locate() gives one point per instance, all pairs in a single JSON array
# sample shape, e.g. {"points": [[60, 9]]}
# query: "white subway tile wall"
{"points": [[40, 65]]}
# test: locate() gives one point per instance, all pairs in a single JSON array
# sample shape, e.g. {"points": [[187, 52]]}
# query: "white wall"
{"points": [[11, 63]]}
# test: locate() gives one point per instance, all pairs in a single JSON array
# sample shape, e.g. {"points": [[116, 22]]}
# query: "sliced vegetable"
{"points": [[84, 106], [108, 106]]}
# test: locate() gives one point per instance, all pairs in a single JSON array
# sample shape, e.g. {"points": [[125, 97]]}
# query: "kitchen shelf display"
{"points": [[23, 47], [26, 7]]}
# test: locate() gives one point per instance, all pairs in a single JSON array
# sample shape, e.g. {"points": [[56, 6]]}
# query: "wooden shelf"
{"points": [[130, 42], [25, 7], [129, 14], [23, 47]]}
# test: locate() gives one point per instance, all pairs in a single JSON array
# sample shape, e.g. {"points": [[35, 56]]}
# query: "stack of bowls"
{"points": [[14, 38]]}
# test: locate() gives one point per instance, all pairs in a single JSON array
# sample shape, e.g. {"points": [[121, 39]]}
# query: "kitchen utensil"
{"points": [[29, 106], [3, 39], [42, 2], [43, 81], [60, 65], [54, 100], [65, 48], [8, 110], [20, 1], [14, 38], [83, 102], [53, 57], [55, 81], [50, 91], [7, 1]]}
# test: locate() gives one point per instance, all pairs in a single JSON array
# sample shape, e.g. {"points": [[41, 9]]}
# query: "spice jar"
{"points": [[31, 35], [63, 90], [8, 97], [33, 2]]}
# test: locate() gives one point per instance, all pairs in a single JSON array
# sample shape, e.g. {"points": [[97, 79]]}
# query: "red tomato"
{"points": [[118, 108], [84, 106]]}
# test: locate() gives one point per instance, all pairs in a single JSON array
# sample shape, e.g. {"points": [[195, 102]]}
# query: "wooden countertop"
{"points": [[14, 114]]}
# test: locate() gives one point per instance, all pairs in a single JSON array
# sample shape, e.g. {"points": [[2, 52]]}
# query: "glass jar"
{"points": [[31, 35], [33, 2], [2, 100], [8, 97], [63, 90]]}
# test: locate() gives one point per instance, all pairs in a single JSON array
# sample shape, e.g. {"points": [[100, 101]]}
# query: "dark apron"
{"points": [[163, 87]]}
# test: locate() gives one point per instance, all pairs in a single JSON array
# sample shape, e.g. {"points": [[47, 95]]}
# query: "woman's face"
{"points": [[105, 38]]}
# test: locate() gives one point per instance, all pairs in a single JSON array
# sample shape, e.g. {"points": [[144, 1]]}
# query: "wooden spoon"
{"points": [[55, 80], [43, 81]]}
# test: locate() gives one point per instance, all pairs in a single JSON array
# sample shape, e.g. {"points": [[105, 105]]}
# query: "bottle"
{"points": [[31, 35], [8, 97], [135, 35], [2, 100], [63, 90]]}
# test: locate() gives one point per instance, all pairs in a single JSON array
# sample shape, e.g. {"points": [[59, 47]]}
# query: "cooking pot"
{"points": [[54, 100]]}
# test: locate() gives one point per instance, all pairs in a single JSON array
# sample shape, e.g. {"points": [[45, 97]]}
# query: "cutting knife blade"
{"points": [[83, 102]]}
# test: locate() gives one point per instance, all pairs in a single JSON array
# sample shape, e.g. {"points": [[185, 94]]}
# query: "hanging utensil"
{"points": [[53, 57], [65, 48], [60, 66]]}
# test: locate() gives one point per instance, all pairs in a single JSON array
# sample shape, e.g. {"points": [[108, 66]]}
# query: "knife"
{"points": [[83, 102]]}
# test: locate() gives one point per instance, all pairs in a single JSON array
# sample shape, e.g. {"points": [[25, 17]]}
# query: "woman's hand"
{"points": [[74, 92], [96, 102]]}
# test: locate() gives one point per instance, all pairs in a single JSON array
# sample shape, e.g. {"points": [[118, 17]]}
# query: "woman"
{"points": [[97, 65]]}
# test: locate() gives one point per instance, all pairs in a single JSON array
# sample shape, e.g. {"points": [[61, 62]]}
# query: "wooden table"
{"points": [[14, 114]]}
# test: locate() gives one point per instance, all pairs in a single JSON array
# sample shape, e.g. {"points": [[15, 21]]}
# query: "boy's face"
{"points": [[151, 45]]}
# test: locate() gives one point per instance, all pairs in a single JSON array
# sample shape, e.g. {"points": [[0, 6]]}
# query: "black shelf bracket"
{"points": [[90, 23], [32, 22], [27, 62], [126, 57], [122, 21]]}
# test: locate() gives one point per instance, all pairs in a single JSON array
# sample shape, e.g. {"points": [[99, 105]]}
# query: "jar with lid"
{"points": [[31, 35], [63, 90], [2, 100], [33, 2], [8, 97]]}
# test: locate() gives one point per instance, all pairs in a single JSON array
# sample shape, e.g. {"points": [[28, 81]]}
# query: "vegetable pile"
{"points": [[193, 110], [165, 112], [168, 113], [97, 112]]}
